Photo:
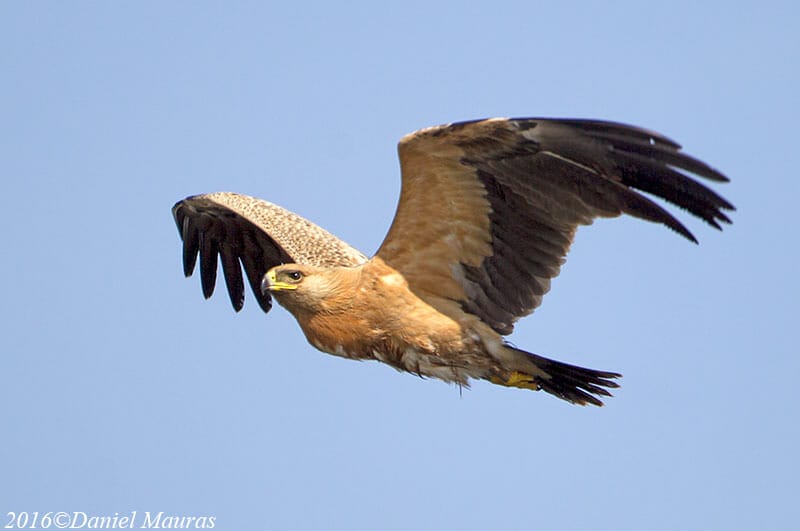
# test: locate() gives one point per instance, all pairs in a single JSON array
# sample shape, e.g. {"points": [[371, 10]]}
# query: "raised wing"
{"points": [[488, 209], [258, 234]]}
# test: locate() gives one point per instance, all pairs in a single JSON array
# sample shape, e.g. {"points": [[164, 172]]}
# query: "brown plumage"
{"points": [[487, 212]]}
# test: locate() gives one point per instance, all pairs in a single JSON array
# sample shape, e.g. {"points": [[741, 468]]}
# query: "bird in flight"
{"points": [[487, 212]]}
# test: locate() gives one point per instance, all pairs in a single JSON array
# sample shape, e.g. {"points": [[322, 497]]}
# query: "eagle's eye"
{"points": [[294, 275]]}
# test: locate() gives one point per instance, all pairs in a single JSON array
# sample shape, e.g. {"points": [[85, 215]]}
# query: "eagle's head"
{"points": [[308, 289]]}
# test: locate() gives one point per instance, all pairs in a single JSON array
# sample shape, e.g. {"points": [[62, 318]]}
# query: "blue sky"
{"points": [[122, 389]]}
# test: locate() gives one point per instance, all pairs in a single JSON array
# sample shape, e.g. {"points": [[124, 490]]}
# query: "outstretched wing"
{"points": [[259, 235], [488, 209]]}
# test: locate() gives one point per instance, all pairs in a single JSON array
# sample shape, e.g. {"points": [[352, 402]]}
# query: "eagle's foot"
{"points": [[516, 379]]}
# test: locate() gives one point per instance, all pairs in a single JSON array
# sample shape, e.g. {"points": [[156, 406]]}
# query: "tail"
{"points": [[569, 382]]}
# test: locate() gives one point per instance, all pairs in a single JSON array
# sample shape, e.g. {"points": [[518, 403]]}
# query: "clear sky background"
{"points": [[122, 389]]}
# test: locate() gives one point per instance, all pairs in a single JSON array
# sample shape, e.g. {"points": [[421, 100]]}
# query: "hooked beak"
{"points": [[270, 283]]}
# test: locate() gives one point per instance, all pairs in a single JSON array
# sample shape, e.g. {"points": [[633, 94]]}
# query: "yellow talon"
{"points": [[517, 379]]}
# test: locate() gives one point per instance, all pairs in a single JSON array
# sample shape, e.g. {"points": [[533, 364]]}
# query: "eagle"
{"points": [[487, 212]]}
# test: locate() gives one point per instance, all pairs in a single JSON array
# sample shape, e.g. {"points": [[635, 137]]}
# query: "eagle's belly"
{"points": [[422, 349], [453, 368]]}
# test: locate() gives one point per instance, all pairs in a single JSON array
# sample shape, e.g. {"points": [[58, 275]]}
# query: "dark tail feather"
{"points": [[572, 383]]}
